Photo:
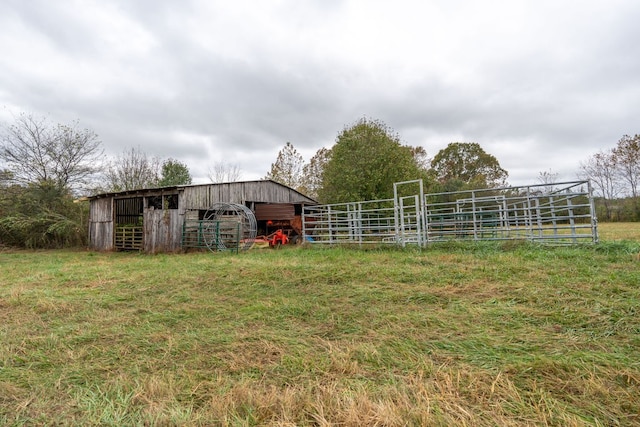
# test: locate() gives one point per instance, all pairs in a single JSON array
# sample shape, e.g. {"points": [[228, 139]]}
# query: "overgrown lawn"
{"points": [[457, 334]]}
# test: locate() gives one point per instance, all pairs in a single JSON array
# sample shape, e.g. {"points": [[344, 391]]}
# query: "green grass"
{"points": [[457, 334]]}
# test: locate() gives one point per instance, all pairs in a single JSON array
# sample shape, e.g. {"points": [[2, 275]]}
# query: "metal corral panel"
{"points": [[274, 211], [556, 213]]}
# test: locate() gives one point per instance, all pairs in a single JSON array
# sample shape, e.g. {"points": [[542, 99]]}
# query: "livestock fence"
{"points": [[556, 213], [223, 227]]}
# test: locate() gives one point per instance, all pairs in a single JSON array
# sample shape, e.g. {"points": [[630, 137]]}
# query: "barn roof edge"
{"points": [[177, 187]]}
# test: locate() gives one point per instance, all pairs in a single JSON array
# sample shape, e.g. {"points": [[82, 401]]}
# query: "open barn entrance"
{"points": [[287, 217], [145, 222], [129, 230]]}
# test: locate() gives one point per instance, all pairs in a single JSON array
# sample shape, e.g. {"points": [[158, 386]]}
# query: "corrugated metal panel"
{"points": [[204, 196], [233, 192], [266, 211]]}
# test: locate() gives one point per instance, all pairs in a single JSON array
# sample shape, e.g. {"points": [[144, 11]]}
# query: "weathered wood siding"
{"points": [[162, 226], [101, 224], [204, 196], [162, 230]]}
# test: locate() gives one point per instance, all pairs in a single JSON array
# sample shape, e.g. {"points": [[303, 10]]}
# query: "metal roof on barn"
{"points": [[265, 191]]}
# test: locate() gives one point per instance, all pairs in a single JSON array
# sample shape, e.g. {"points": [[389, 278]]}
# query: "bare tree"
{"points": [[131, 170], [600, 169], [313, 171], [224, 172], [421, 157], [287, 169], [548, 178], [36, 151], [626, 156]]}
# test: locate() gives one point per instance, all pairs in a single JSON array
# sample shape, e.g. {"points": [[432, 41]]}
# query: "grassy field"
{"points": [[483, 335]]}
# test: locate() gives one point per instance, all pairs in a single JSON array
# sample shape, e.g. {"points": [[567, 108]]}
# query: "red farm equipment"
{"points": [[279, 223]]}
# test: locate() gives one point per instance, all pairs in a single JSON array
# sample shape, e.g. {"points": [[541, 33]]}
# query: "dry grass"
{"points": [[619, 231], [477, 335]]}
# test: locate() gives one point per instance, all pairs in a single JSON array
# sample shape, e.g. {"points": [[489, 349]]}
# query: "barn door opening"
{"points": [[129, 230]]}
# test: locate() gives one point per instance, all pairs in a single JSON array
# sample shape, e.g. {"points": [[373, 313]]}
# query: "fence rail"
{"points": [[129, 237], [559, 213], [212, 235]]}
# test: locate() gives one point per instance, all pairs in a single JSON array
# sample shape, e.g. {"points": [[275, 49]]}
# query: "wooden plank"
{"points": [[101, 236], [162, 230], [129, 237]]}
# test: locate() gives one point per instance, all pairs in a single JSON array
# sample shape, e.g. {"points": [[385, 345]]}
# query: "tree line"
{"points": [[368, 157], [615, 176], [46, 167]]}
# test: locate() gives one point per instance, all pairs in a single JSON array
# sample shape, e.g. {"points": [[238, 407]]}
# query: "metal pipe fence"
{"points": [[559, 213]]}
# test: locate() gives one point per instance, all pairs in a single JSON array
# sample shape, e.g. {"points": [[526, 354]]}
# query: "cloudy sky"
{"points": [[540, 84]]}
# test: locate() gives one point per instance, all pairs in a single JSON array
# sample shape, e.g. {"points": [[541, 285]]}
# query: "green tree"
{"points": [[287, 169], [5, 177], [174, 172], [41, 216], [365, 161], [46, 166], [465, 165]]}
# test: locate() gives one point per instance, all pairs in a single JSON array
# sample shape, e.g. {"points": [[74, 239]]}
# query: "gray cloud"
{"points": [[539, 84]]}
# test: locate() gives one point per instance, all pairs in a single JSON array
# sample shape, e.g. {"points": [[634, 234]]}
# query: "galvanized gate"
{"points": [[561, 213], [410, 219]]}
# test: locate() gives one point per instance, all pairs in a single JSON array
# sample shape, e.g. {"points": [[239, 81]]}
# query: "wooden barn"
{"points": [[158, 219]]}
